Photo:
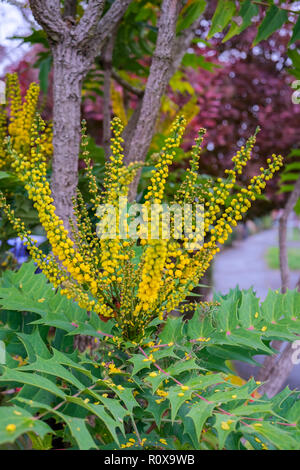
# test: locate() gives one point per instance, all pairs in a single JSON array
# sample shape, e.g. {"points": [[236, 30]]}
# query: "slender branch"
{"points": [[107, 66], [88, 25], [166, 60], [264, 4], [156, 84], [131, 88], [110, 20]]}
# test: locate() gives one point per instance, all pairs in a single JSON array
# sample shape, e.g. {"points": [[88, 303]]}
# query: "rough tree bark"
{"points": [[166, 59], [74, 48], [157, 80], [107, 76], [277, 368]]}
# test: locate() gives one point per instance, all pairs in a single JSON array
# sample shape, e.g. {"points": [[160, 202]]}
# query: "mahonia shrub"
{"points": [[103, 275], [148, 379]]}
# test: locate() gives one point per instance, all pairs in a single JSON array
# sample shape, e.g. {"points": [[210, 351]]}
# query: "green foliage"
{"points": [[247, 12], [190, 13], [222, 16], [173, 390], [240, 17], [274, 19], [296, 32]]}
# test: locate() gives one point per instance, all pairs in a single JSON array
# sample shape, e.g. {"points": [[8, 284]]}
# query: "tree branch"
{"points": [[107, 67], [88, 26], [158, 79], [131, 88], [110, 20], [181, 45], [166, 60], [47, 14]]}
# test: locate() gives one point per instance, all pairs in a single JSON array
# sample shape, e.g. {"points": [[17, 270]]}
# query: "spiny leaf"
{"points": [[16, 421], [199, 413], [223, 14]]}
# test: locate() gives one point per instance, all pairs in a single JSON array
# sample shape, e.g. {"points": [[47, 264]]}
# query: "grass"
{"points": [[272, 258], [295, 234]]}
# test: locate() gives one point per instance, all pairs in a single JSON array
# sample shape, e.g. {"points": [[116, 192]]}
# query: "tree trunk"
{"points": [[159, 76], [278, 370], [66, 119]]}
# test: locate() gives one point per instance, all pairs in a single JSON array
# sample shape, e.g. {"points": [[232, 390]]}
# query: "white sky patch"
{"points": [[12, 23]]}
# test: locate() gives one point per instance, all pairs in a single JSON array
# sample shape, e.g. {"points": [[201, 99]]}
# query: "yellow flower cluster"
{"points": [[133, 281], [17, 123]]}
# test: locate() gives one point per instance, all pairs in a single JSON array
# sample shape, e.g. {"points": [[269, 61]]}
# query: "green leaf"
{"points": [[80, 433], [172, 331], [4, 175], [52, 367], [139, 363], [280, 438], [31, 379], [176, 369], [191, 13], [156, 381], [250, 409], [156, 409], [247, 12], [225, 396], [76, 425], [249, 307], [176, 401], [223, 14], [296, 32], [101, 413], [45, 68], [199, 413], [19, 421], [196, 61], [34, 345], [274, 19], [224, 426]]}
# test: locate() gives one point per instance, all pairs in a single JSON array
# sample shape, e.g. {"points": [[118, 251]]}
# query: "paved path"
{"points": [[244, 264]]}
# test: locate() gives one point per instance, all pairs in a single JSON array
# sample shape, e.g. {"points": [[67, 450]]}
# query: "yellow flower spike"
{"points": [[102, 275]]}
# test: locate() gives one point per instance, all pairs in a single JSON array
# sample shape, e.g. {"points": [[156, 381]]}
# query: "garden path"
{"points": [[245, 264]]}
